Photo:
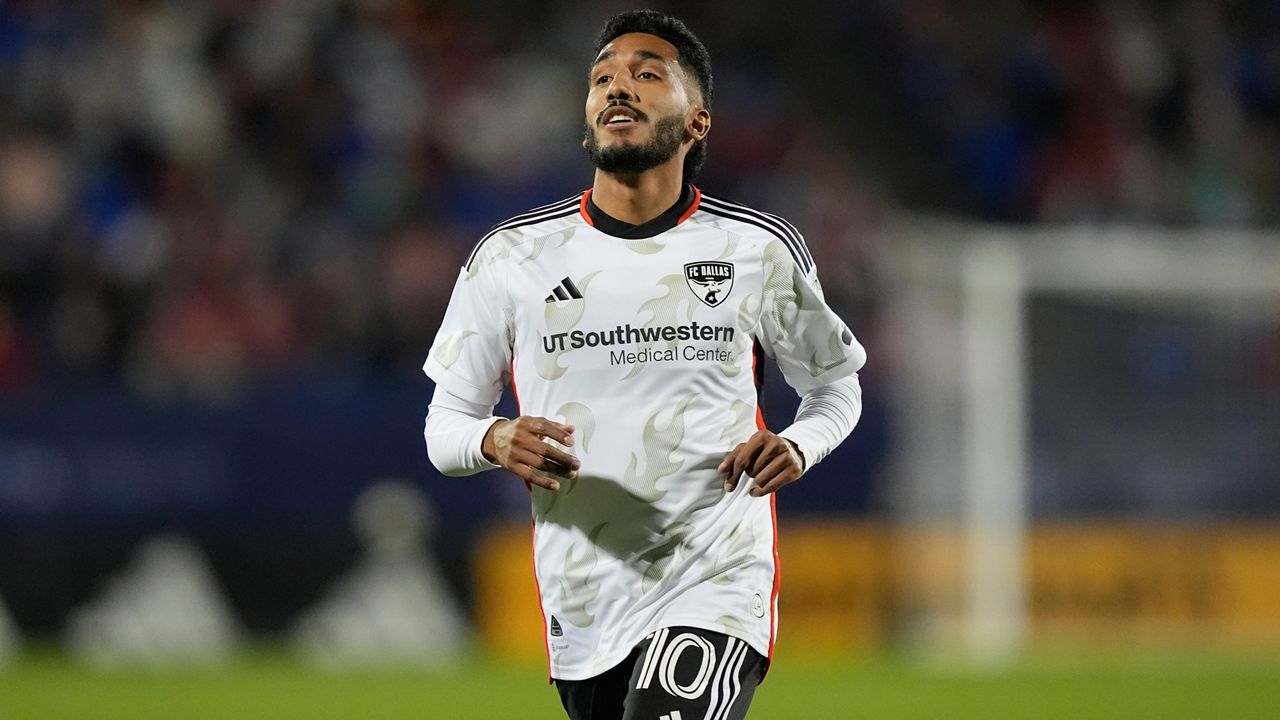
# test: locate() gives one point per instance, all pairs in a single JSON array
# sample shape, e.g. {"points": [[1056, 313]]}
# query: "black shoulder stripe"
{"points": [[790, 244], [575, 199], [798, 245], [799, 257], [521, 218], [550, 207], [553, 211], [774, 220], [782, 224], [512, 226], [794, 232]]}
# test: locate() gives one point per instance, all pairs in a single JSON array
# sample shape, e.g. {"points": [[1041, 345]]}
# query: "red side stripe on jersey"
{"points": [[697, 200], [514, 392], [773, 513], [582, 208], [758, 379]]}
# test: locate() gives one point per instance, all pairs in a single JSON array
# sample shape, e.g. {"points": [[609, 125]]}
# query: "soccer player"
{"points": [[631, 321]]}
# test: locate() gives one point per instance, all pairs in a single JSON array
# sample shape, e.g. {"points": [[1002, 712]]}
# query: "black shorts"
{"points": [[676, 673]]}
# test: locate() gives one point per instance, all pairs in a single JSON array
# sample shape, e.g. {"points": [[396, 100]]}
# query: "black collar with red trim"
{"points": [[673, 216]]}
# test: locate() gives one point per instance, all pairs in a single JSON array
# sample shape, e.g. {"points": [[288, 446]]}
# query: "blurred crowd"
{"points": [[194, 196], [1152, 112], [198, 195]]}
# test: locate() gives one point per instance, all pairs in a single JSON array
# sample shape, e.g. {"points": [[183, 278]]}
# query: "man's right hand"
{"points": [[520, 446]]}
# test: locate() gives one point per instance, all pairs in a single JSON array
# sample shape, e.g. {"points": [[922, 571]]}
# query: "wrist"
{"points": [[489, 446]]}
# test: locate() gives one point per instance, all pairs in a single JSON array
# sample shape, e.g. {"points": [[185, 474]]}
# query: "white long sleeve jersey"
{"points": [[647, 339]]}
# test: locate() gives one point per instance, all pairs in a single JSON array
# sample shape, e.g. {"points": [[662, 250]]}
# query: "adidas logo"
{"points": [[556, 630], [675, 715], [566, 290]]}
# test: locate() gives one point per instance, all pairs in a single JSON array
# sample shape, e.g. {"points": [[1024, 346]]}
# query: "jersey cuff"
{"points": [[476, 443], [805, 443]]}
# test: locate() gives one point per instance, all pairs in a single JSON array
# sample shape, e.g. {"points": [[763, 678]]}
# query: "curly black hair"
{"points": [[690, 51]]}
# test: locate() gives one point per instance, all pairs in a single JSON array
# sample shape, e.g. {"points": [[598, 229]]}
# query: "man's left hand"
{"points": [[772, 462]]}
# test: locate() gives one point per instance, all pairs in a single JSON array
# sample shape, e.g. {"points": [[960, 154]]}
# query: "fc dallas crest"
{"points": [[710, 280]]}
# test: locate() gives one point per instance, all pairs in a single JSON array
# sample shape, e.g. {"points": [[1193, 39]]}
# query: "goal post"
{"points": [[957, 313], [994, 459]]}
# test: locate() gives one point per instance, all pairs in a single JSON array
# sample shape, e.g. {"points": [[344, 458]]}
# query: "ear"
{"points": [[699, 123]]}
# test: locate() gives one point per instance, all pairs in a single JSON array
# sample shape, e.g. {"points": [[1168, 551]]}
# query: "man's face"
{"points": [[639, 110]]}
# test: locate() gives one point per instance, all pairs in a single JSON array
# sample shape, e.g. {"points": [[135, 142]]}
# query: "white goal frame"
{"points": [[957, 326]]}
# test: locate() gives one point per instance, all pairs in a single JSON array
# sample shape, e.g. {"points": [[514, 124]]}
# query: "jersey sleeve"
{"points": [[471, 354], [811, 344]]}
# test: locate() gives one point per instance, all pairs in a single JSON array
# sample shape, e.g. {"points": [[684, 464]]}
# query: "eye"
{"points": [[603, 79], [645, 75]]}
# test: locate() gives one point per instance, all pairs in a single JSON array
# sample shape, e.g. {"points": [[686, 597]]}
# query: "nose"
{"points": [[619, 90]]}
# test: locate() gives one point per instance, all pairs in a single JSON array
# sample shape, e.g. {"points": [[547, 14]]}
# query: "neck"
{"points": [[638, 198]]}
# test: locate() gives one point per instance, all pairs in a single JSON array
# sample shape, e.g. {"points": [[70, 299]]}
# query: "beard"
{"points": [[630, 158]]}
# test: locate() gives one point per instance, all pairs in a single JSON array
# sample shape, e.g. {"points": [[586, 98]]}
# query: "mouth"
{"points": [[620, 116]]}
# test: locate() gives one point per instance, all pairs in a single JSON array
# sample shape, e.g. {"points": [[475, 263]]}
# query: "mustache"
{"points": [[621, 103]]}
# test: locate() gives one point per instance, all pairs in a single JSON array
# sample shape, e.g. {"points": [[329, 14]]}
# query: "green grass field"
{"points": [[268, 685]]}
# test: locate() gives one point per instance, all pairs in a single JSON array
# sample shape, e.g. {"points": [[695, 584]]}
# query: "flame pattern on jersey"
{"points": [[731, 625], [498, 248], [779, 286], [742, 422], [835, 359], [735, 550], [540, 244], [450, 349], [583, 421], [645, 246], [660, 445], [731, 242], [576, 588]]}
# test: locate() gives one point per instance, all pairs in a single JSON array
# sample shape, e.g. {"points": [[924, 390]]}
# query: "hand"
{"points": [[519, 446], [771, 460]]}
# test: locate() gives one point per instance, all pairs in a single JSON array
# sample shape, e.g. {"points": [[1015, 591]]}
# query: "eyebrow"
{"points": [[642, 54]]}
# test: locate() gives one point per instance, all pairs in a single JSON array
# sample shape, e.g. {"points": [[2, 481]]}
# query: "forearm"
{"points": [[826, 416], [454, 432]]}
